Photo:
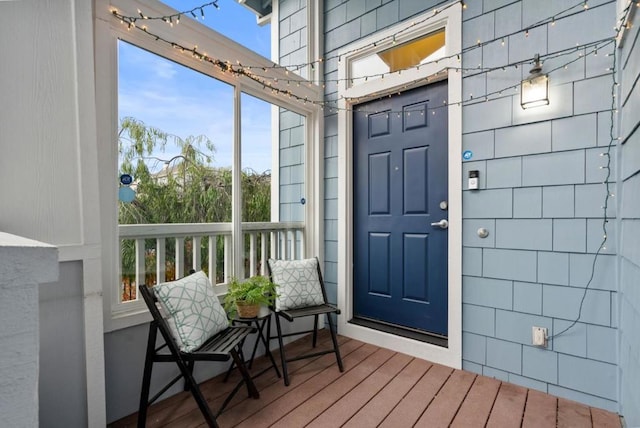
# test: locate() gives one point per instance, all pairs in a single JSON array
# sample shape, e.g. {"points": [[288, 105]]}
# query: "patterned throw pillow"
{"points": [[194, 311], [298, 283]]}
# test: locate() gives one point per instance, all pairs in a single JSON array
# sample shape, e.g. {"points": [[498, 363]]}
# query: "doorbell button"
{"points": [[474, 176]]}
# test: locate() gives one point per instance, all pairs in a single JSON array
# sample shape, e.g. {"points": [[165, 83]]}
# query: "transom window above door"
{"points": [[399, 57]]}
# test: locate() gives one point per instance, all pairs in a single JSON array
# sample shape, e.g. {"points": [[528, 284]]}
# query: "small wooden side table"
{"points": [[262, 320]]}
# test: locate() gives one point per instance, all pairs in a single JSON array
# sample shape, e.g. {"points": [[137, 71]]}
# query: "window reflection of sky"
{"points": [[183, 102]]}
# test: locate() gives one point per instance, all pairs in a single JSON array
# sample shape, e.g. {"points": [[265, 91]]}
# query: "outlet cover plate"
{"points": [[539, 336]]}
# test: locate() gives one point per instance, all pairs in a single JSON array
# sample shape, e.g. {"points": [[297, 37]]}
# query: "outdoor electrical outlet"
{"points": [[540, 336]]}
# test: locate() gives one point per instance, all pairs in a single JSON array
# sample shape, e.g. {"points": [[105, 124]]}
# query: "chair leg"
{"points": [[251, 387], [146, 377], [266, 338], [315, 330], [190, 365], [192, 386], [334, 339], [285, 372]]}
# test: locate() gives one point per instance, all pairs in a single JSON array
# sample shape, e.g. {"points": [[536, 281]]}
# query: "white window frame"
{"points": [[107, 32], [450, 18]]}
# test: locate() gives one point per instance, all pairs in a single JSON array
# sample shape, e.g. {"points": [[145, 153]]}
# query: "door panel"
{"points": [[400, 178]]}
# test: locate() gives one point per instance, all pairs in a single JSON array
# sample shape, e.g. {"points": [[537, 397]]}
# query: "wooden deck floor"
{"points": [[379, 388]]}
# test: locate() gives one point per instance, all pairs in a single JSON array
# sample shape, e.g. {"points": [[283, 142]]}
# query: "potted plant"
{"points": [[246, 297]]}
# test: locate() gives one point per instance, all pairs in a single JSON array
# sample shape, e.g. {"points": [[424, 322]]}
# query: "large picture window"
{"points": [[219, 161]]}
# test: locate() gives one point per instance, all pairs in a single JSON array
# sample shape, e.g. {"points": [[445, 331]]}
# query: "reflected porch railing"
{"points": [[154, 253]]}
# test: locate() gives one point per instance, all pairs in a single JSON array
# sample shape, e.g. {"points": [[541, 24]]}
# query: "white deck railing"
{"points": [[165, 245]]}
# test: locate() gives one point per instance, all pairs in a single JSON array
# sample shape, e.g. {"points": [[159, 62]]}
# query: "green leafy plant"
{"points": [[256, 290]]}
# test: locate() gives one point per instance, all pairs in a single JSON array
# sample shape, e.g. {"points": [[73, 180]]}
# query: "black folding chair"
{"points": [[221, 347], [301, 293]]}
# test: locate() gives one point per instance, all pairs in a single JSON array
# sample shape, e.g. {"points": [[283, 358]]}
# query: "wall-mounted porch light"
{"points": [[535, 88]]}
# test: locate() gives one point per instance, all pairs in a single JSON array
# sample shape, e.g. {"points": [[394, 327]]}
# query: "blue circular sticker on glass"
{"points": [[126, 179], [467, 154], [126, 194]]}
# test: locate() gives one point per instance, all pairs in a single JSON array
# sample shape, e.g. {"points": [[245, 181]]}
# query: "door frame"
{"points": [[448, 17]]}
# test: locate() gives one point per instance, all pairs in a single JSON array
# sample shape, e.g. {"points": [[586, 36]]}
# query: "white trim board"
{"points": [[451, 19]]}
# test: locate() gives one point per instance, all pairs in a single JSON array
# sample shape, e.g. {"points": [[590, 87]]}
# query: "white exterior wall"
{"points": [[23, 265], [48, 166]]}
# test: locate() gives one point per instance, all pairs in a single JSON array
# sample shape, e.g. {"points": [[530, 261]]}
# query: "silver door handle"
{"points": [[442, 224]]}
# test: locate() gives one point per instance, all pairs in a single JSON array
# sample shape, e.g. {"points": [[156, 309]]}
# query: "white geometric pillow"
{"points": [[298, 283], [194, 311]]}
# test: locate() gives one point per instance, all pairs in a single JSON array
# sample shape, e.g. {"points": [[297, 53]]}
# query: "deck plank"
{"points": [[270, 395], [409, 410], [378, 388], [540, 410], [340, 412], [300, 392], [185, 413], [445, 405], [572, 414], [476, 408], [333, 392], [508, 408], [371, 414], [603, 419]]}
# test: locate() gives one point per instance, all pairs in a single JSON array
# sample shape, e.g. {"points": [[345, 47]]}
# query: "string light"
{"points": [[565, 13], [246, 70], [167, 18], [613, 140]]}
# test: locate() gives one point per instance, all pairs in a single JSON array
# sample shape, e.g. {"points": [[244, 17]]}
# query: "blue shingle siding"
{"points": [[523, 140], [488, 292], [516, 327], [553, 268], [629, 227], [474, 348], [527, 202], [574, 132], [504, 355], [527, 297], [481, 144], [527, 382], [472, 261], [559, 201], [510, 264], [540, 364], [542, 202], [540, 197], [504, 173], [292, 50]]}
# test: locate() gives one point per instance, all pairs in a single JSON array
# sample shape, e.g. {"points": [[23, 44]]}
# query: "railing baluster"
{"points": [[302, 244], [228, 251], [284, 248], [140, 271], [161, 258], [179, 258], [213, 259], [196, 250], [294, 247], [252, 254], [285, 240], [263, 253], [273, 244]]}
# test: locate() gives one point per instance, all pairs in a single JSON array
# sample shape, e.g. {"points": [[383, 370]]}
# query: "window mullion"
{"points": [[236, 188]]}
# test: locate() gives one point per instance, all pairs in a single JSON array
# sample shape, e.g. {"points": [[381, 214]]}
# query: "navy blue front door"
{"points": [[400, 189]]}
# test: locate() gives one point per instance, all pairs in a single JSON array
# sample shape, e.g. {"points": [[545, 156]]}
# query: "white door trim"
{"points": [[450, 18]]}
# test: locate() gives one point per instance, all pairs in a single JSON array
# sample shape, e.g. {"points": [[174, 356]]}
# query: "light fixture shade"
{"points": [[534, 91]]}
